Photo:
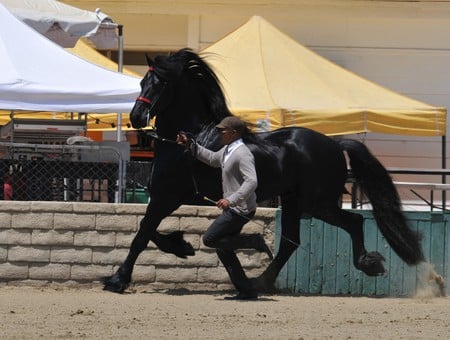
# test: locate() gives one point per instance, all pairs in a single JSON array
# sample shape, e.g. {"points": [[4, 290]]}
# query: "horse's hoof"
{"points": [[262, 286], [441, 284], [174, 243], [371, 264], [442, 290], [186, 249], [114, 284], [183, 250]]}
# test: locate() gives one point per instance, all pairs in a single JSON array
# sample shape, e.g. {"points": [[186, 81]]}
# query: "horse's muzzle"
{"points": [[139, 116]]}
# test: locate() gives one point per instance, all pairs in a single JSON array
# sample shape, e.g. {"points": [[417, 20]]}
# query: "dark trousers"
{"points": [[224, 235]]}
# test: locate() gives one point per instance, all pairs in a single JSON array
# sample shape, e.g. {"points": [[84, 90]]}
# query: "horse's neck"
{"points": [[208, 137]]}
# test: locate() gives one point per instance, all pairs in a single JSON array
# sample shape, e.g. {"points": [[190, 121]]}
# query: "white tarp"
{"points": [[65, 24], [36, 74]]}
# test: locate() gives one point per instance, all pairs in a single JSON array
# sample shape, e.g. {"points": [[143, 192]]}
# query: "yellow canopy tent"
{"points": [[272, 81], [94, 121]]}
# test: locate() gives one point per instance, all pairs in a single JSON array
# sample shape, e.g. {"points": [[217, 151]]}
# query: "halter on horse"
{"points": [[305, 168]]}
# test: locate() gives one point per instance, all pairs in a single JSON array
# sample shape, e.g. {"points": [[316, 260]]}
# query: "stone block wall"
{"points": [[67, 243]]}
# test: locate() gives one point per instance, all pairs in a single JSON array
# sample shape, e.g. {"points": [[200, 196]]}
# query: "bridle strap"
{"points": [[151, 103], [155, 135], [143, 99]]}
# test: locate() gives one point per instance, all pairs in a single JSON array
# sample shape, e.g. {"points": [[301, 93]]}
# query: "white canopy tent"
{"points": [[65, 24], [36, 74]]}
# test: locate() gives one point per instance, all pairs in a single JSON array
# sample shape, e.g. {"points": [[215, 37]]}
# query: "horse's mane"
{"points": [[200, 76], [264, 146], [185, 63]]}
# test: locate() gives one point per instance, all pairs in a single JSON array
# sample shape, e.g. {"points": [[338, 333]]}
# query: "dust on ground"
{"points": [[91, 313]]}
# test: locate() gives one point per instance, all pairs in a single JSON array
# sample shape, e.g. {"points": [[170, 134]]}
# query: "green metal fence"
{"points": [[323, 262]]}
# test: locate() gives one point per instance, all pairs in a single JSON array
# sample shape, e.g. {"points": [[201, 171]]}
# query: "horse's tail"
{"points": [[377, 185]]}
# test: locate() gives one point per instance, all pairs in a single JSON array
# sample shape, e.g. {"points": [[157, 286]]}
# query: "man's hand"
{"points": [[187, 142], [182, 138], [223, 203]]}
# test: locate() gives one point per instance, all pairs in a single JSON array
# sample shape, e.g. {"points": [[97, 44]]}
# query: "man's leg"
{"points": [[225, 225], [220, 234], [224, 234], [237, 274]]}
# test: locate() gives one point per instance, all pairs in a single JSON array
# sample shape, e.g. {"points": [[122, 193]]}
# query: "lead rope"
{"points": [[191, 146]]}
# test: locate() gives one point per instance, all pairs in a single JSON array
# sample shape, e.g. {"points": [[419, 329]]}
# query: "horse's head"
{"points": [[182, 92], [150, 99]]}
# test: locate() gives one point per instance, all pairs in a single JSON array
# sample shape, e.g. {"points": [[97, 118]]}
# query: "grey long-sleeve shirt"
{"points": [[239, 180]]}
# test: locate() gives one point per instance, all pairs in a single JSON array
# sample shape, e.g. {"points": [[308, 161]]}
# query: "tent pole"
{"points": [[120, 49], [122, 165], [120, 66], [444, 166]]}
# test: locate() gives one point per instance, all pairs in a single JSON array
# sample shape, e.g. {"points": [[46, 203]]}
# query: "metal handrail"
{"points": [[443, 186]]}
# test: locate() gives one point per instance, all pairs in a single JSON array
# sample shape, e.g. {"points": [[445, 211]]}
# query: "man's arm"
{"points": [[209, 157], [203, 154]]}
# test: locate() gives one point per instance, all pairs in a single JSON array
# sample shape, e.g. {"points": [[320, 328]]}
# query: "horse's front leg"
{"points": [[170, 243], [121, 279]]}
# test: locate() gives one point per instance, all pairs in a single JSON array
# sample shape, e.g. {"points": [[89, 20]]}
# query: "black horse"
{"points": [[306, 169]]}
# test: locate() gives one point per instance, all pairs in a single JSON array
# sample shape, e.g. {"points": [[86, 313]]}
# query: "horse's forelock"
{"points": [[164, 69]]}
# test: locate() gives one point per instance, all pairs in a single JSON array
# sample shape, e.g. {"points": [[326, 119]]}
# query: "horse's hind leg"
{"points": [[289, 242], [370, 263]]}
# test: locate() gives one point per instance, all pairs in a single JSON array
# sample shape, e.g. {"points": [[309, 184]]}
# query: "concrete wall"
{"points": [[61, 243]]}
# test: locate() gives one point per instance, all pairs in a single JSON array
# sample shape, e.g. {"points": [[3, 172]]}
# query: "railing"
{"points": [[101, 173], [414, 186], [93, 172]]}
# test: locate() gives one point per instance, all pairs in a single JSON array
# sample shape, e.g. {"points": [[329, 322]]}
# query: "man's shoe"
{"points": [[243, 296]]}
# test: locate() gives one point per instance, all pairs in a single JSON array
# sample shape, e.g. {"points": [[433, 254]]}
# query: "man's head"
{"points": [[231, 128]]}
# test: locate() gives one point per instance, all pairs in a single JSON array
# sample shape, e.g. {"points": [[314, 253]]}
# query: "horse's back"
{"points": [[299, 161]]}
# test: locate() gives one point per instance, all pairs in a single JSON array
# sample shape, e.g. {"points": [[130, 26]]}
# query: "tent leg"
{"points": [[120, 66], [120, 48], [444, 166]]}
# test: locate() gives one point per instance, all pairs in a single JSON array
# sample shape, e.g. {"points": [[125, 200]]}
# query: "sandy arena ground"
{"points": [[49, 313]]}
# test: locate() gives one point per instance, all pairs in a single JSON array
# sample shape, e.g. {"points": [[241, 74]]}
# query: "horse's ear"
{"points": [[150, 61]]}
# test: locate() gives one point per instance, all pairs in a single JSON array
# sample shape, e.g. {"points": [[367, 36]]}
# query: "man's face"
{"points": [[228, 136]]}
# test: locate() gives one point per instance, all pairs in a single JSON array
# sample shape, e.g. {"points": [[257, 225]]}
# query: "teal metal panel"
{"points": [[395, 276], [409, 280], [382, 282], [324, 262], [424, 227], [281, 281], [344, 263], [291, 268], [446, 271], [303, 259], [316, 257], [410, 272], [355, 282], [370, 235], [329, 260], [437, 247]]}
